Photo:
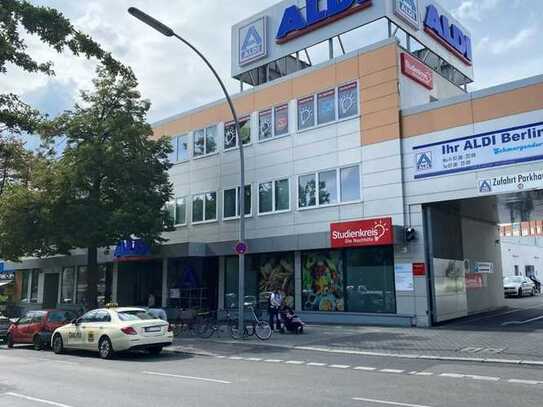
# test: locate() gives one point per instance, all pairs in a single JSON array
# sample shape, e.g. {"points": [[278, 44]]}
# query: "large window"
{"points": [[67, 292], [329, 187], [180, 151], [273, 122], [204, 207], [34, 286], [230, 136], [82, 286], [25, 285], [177, 211], [231, 202], [205, 141], [350, 280], [274, 196]]}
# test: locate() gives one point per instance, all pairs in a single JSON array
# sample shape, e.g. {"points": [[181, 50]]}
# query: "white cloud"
{"points": [[520, 39], [474, 9]]}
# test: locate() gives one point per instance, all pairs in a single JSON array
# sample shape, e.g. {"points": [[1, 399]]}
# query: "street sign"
{"points": [[240, 248]]}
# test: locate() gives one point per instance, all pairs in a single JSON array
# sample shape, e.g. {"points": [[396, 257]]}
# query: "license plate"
{"points": [[153, 329]]}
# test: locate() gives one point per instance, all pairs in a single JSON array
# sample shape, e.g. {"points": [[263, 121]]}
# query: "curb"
{"points": [[521, 362]]}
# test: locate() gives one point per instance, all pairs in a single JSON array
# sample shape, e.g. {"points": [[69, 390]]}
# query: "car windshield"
{"points": [[515, 279], [135, 315]]}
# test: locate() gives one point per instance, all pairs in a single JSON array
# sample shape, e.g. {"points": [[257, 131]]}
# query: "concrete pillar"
{"points": [[297, 281], [220, 300], [164, 282], [114, 281]]}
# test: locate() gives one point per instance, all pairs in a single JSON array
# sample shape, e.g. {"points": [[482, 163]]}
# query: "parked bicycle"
{"points": [[189, 323], [258, 327], [217, 325]]}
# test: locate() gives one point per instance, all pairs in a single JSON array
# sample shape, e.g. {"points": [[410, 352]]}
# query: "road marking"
{"points": [[527, 321], [273, 360], [486, 378], [294, 362], [235, 358], [37, 400], [421, 373], [202, 379], [520, 381], [365, 368], [220, 357], [452, 375], [254, 359], [391, 371], [390, 403], [340, 366], [316, 364]]}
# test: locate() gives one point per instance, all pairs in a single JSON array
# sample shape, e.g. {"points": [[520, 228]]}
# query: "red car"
{"points": [[36, 327]]}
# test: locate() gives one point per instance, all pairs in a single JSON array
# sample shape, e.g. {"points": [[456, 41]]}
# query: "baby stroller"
{"points": [[291, 321]]}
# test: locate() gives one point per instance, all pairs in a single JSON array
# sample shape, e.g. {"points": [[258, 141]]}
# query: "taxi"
{"points": [[113, 329]]}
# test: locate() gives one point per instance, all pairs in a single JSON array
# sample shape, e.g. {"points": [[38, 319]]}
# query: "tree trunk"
{"points": [[92, 277]]}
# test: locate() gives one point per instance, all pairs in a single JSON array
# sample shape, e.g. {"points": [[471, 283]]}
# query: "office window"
{"points": [[82, 286], [170, 208], [204, 207], [350, 184], [183, 147], [67, 290], [306, 113], [205, 141], [348, 100], [265, 125], [180, 211], [34, 286], [172, 157], [334, 186], [231, 202], [307, 191], [328, 193], [230, 137], [281, 120], [274, 196], [24, 286], [326, 106]]}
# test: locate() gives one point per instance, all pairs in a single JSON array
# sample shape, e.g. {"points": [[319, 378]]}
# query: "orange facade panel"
{"points": [[380, 134], [446, 117], [314, 81], [381, 118], [391, 101], [377, 60], [273, 95]]}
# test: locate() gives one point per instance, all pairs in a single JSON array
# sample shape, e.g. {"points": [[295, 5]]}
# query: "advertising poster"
{"points": [[276, 272], [403, 277], [323, 282]]}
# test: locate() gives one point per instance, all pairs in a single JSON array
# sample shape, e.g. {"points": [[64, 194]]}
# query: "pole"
{"points": [[168, 32]]}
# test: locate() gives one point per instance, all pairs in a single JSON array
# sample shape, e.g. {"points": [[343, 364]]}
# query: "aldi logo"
{"points": [[485, 186], [424, 161], [408, 10], [253, 41]]}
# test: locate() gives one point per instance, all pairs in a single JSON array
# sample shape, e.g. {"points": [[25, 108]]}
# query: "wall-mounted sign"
{"points": [[449, 35], [419, 269], [474, 281], [296, 23], [486, 150], [510, 182], [408, 11], [372, 232], [403, 277], [253, 41], [483, 267], [416, 70], [132, 249]]}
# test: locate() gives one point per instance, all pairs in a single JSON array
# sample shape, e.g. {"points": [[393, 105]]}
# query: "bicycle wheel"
{"points": [[206, 330], [263, 330], [235, 332]]}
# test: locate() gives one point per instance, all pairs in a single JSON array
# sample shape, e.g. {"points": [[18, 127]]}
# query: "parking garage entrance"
{"points": [[468, 249]]}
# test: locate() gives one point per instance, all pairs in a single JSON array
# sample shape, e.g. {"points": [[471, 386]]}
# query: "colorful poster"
{"points": [[323, 282], [276, 272]]}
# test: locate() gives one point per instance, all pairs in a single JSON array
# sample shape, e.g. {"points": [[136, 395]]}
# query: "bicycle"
{"points": [[257, 327], [214, 325]]}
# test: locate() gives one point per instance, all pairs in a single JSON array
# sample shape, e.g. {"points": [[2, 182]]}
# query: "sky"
{"points": [[506, 36]]}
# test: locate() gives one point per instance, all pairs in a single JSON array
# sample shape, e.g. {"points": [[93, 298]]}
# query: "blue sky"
{"points": [[506, 40]]}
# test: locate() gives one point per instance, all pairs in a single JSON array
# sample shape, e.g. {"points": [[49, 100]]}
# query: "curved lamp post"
{"points": [[168, 32]]}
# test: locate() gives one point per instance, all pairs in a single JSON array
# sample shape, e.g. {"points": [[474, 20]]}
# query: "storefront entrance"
{"points": [[50, 289], [140, 283]]}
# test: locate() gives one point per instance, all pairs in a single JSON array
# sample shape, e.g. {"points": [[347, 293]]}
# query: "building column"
{"points": [[164, 282], [220, 300], [114, 281], [297, 281]]}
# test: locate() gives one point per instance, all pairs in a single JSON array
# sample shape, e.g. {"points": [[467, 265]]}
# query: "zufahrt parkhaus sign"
{"points": [[497, 148]]}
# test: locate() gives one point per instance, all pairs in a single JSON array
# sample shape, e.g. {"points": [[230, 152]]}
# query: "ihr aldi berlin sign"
{"points": [[371, 232]]}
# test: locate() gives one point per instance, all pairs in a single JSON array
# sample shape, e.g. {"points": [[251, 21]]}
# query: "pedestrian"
{"points": [[275, 303]]}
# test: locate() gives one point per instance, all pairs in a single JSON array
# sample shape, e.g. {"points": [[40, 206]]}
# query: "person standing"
{"points": [[276, 301]]}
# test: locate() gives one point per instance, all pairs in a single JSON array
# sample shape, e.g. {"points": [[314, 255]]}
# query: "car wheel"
{"points": [[105, 349], [520, 292], [532, 293], [10, 341], [37, 342], [155, 350], [58, 344]]}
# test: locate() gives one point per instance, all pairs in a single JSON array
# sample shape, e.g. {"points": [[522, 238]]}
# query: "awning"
{"points": [[3, 283]]}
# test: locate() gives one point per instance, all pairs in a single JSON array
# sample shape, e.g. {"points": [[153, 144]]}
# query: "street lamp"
{"points": [[168, 32]]}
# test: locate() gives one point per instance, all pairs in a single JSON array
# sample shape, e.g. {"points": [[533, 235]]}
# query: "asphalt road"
{"points": [[299, 378]]}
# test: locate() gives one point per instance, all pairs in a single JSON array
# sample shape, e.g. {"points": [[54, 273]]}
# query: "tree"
{"points": [[111, 182]]}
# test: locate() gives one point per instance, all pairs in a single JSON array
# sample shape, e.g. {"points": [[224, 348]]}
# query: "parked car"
{"points": [[518, 286], [37, 327], [4, 327], [111, 330]]}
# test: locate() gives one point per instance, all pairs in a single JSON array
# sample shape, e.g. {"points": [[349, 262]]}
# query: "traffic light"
{"points": [[410, 234]]}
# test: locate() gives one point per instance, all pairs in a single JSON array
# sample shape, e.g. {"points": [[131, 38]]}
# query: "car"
{"points": [[518, 286], [4, 327], [111, 330], [37, 327]]}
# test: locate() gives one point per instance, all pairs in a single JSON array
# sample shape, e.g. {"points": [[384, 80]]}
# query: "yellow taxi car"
{"points": [[111, 330]]}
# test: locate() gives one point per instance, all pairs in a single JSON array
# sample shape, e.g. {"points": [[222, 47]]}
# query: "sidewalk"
{"points": [[470, 340]]}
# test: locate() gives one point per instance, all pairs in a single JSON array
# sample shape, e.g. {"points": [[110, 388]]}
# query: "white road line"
{"points": [[340, 366], [485, 378], [220, 357], [273, 360], [235, 358], [294, 362], [316, 364], [390, 403], [421, 373], [521, 381], [202, 379], [391, 371], [365, 368], [452, 375], [253, 359], [37, 400], [527, 321]]}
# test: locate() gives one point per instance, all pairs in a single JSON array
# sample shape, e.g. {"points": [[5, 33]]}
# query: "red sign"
{"points": [[474, 280], [372, 232], [416, 70], [419, 269]]}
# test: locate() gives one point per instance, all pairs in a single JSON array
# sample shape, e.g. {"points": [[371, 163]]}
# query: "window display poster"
{"points": [[403, 277], [323, 282]]}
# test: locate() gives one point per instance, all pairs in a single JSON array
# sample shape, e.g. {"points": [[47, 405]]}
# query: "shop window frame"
{"points": [[274, 211], [232, 123], [273, 109], [249, 215], [206, 153], [204, 221]]}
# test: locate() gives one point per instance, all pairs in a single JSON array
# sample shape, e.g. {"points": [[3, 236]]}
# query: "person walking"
{"points": [[276, 301]]}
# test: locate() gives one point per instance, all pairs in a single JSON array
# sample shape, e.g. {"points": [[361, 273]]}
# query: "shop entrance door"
{"points": [[50, 290]]}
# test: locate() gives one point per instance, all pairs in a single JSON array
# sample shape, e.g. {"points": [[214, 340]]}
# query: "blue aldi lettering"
{"points": [[450, 35], [295, 24]]}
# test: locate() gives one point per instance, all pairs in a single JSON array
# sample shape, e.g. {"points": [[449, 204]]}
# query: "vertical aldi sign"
{"points": [[253, 41], [408, 11], [416, 70], [371, 232]]}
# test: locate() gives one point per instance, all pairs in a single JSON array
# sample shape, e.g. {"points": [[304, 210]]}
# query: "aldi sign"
{"points": [[372, 232], [253, 41], [408, 11]]}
